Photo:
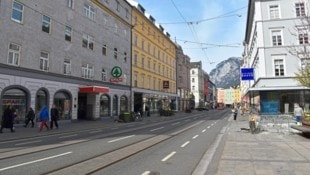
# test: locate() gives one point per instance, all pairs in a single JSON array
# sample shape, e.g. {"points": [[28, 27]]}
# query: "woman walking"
{"points": [[30, 117], [44, 117], [8, 119]]}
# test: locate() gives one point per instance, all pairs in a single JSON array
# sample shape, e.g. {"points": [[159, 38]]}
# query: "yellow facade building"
{"points": [[153, 64]]}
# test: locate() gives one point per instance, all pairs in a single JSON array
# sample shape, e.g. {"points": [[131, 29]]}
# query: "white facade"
{"points": [[197, 82], [275, 30], [272, 61]]}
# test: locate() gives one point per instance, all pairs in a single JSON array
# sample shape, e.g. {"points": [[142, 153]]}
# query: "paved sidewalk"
{"points": [[264, 153], [79, 125]]}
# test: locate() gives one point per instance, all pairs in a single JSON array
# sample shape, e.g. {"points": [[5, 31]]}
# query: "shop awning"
{"points": [[94, 89], [279, 88]]}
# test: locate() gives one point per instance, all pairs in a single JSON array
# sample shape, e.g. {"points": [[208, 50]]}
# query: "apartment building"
{"points": [[183, 79], [275, 39], [72, 53], [197, 84], [153, 63]]}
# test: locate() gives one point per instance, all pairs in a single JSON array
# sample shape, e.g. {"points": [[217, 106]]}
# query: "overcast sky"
{"points": [[207, 30]]}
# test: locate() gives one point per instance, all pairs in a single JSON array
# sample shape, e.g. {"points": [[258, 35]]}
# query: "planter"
{"points": [[305, 122], [166, 113], [126, 117]]}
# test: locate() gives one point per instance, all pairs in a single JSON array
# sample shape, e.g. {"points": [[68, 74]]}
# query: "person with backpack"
{"points": [[30, 117], [44, 118]]}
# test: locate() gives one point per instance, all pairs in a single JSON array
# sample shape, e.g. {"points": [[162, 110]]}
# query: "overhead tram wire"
{"points": [[192, 29]]}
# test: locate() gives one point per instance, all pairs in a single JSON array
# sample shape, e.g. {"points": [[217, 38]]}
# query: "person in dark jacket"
{"points": [[44, 117], [8, 119], [30, 117], [54, 116]]}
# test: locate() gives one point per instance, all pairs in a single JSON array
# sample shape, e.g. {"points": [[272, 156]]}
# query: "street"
{"points": [[171, 146]]}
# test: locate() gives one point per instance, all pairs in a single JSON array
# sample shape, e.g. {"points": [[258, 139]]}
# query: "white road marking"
{"points": [[157, 129], [175, 123], [146, 173], [208, 126], [35, 161], [195, 136], [168, 156], [122, 138], [73, 135], [204, 130], [184, 145], [212, 124], [94, 132], [26, 143]]}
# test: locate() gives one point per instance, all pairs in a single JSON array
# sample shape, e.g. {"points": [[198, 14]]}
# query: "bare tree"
{"points": [[302, 49]]}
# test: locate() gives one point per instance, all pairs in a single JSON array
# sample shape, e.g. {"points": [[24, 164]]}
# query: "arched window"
{"points": [[62, 101], [18, 99], [124, 104], [104, 106], [115, 105]]}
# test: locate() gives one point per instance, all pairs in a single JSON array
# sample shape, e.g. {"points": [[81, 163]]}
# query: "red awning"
{"points": [[94, 89]]}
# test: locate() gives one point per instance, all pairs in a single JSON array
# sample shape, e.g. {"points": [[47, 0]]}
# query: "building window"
{"points": [[276, 38], [17, 12], [193, 72], [127, 13], [142, 44], [303, 36], [125, 57], [274, 12], [149, 64], [88, 42], [87, 71], [46, 24], [44, 57], [135, 59], [193, 80], [115, 53], [89, 12], [136, 40], [142, 81], [193, 88], [300, 9], [70, 4], [117, 6], [67, 67], [14, 54], [135, 80], [279, 67], [103, 75], [104, 50], [68, 33], [305, 62], [142, 62]]}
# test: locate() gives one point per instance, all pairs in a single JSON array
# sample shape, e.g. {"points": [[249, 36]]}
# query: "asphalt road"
{"points": [[169, 147]]}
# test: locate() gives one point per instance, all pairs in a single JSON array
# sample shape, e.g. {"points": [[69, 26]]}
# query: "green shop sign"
{"points": [[116, 72]]}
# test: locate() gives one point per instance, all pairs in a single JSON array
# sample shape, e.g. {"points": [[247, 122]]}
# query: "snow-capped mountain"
{"points": [[226, 73]]}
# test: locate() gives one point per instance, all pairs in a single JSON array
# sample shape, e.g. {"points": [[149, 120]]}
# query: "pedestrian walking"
{"points": [[29, 118], [44, 117], [298, 113], [8, 119], [54, 116], [235, 112]]}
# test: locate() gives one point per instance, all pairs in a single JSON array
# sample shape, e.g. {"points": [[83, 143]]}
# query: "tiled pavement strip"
{"points": [[268, 152]]}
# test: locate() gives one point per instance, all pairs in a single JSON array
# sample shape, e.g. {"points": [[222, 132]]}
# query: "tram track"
{"points": [[96, 163]]}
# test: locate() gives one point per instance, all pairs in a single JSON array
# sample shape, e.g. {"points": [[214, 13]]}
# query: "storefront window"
{"points": [[18, 99], [124, 104], [115, 105], [104, 106], [41, 100], [63, 104]]}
